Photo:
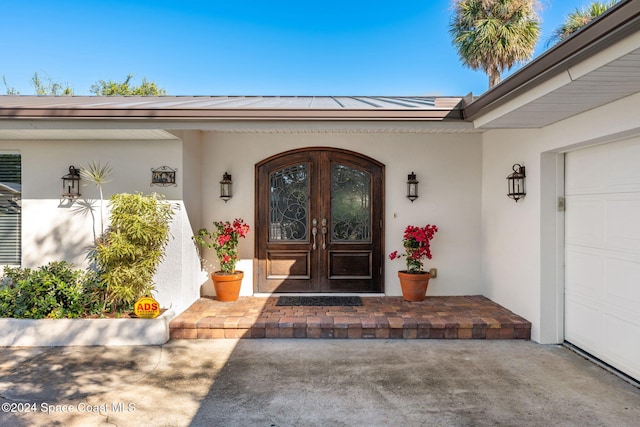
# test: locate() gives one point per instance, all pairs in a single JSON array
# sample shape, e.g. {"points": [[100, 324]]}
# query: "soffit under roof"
{"points": [[606, 84]]}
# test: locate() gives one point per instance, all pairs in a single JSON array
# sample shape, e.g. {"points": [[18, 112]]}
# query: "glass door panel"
{"points": [[350, 204], [289, 204]]}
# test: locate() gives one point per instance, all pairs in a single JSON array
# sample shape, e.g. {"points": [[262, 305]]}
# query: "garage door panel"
{"points": [[588, 280], [602, 253], [621, 172], [611, 168], [585, 221], [621, 347], [621, 233], [585, 324], [582, 173], [622, 285]]}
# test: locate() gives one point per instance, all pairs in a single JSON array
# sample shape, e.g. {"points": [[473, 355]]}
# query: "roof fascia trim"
{"points": [[229, 114]]}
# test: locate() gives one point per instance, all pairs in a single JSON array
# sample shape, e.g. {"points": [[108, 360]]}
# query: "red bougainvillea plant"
{"points": [[417, 246], [224, 239]]}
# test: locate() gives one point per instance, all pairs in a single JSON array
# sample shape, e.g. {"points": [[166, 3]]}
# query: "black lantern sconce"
{"points": [[71, 184], [515, 183], [412, 187], [225, 187]]}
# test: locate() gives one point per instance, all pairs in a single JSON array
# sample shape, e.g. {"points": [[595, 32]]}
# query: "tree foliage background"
{"points": [[47, 86], [579, 18], [494, 35]]}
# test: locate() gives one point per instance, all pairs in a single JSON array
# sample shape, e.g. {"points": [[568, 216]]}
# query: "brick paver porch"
{"points": [[447, 317]]}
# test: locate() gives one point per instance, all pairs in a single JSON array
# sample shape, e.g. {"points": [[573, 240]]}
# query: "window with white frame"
{"points": [[10, 208]]}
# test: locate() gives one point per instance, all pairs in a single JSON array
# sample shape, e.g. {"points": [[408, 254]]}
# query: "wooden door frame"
{"points": [[345, 152]]}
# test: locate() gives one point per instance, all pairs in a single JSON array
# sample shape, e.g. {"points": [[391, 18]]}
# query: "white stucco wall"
{"points": [[55, 229], [522, 243], [447, 166]]}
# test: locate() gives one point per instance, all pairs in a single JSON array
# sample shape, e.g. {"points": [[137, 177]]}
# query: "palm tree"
{"points": [[578, 19], [493, 35]]}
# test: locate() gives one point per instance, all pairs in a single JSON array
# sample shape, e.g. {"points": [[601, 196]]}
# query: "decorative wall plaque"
{"points": [[163, 176]]}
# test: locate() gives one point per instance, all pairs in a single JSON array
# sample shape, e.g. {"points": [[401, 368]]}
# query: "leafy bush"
{"points": [[126, 256], [54, 291], [129, 253]]}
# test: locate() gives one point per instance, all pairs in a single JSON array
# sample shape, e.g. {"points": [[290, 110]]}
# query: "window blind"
{"points": [[10, 209]]}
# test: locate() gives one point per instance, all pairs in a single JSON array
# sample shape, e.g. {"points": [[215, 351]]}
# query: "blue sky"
{"points": [[246, 47]]}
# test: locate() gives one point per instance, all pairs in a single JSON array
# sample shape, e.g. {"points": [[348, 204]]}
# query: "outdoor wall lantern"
{"points": [[225, 187], [515, 183], [71, 184], [412, 187]]}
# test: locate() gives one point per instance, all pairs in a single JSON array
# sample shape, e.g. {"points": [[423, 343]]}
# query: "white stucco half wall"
{"points": [[55, 229]]}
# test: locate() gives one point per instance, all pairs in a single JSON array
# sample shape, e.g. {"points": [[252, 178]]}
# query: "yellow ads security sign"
{"points": [[147, 308]]}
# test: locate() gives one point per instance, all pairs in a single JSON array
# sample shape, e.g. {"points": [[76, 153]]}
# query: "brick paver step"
{"points": [[447, 317]]}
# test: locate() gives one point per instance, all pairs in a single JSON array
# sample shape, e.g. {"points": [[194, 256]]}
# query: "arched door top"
{"points": [[319, 222]]}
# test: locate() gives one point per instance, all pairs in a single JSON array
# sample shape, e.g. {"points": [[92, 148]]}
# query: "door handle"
{"points": [[324, 233], [314, 231]]}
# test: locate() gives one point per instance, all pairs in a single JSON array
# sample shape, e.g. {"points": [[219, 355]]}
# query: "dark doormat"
{"points": [[319, 301]]}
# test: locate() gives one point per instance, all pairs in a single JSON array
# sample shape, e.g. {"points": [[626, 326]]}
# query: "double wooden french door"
{"points": [[319, 222]]}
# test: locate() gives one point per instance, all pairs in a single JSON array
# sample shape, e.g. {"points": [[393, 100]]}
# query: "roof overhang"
{"points": [[596, 66], [24, 117], [185, 108]]}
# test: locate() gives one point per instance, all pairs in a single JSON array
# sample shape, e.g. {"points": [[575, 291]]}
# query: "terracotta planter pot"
{"points": [[414, 286], [227, 285]]}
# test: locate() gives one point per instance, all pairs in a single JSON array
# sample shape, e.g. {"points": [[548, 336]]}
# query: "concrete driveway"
{"points": [[277, 383]]}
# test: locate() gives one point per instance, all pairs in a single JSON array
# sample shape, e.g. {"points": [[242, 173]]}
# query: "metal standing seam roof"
{"points": [[581, 92], [254, 107]]}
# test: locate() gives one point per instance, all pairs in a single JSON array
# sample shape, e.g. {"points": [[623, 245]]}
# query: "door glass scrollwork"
{"points": [[350, 204], [289, 204]]}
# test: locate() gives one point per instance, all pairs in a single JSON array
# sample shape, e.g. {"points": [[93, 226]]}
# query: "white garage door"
{"points": [[602, 253]]}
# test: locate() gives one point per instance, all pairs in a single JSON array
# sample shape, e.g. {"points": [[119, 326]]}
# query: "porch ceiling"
{"points": [[84, 134]]}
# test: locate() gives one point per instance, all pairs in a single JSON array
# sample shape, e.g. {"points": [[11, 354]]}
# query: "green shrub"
{"points": [[129, 253], [54, 291], [126, 256]]}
